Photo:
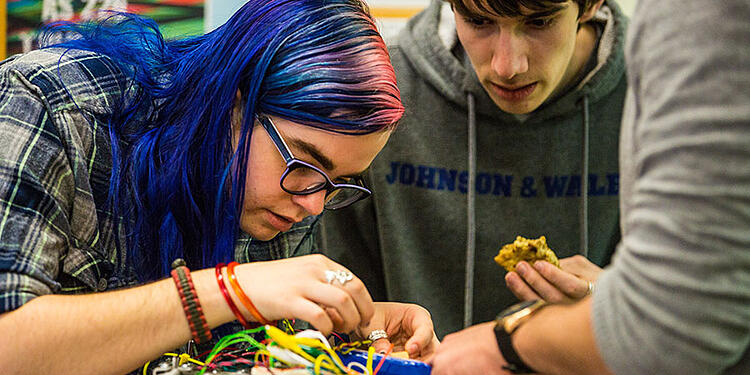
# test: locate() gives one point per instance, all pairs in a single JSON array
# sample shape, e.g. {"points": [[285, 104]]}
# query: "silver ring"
{"points": [[377, 335], [591, 289], [340, 275]]}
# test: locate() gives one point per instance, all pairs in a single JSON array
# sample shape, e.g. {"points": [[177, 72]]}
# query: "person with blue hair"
{"points": [[126, 158]]}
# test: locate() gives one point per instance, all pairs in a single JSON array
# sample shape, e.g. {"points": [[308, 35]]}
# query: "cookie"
{"points": [[523, 249]]}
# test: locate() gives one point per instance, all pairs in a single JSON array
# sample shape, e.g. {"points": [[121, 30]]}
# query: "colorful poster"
{"points": [[175, 17]]}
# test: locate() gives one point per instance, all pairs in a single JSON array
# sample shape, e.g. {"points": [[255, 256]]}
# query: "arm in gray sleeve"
{"points": [[677, 297]]}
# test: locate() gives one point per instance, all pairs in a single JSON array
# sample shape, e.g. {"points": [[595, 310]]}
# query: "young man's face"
{"points": [[523, 61]]}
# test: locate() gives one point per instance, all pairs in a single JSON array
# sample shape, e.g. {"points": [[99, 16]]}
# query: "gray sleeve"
{"points": [[676, 299]]}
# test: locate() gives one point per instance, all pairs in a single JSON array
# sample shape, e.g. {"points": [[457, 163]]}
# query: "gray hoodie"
{"points": [[410, 242]]}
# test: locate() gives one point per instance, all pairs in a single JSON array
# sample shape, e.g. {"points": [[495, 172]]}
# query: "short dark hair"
{"points": [[512, 8]]}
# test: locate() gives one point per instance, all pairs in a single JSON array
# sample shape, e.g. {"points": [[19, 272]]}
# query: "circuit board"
{"points": [[268, 350]]}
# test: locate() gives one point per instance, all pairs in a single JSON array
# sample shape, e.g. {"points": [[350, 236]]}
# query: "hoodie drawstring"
{"points": [[584, 216], [470, 215], [470, 201]]}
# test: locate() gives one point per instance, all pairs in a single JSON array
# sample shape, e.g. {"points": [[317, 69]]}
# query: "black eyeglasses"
{"points": [[301, 178]]}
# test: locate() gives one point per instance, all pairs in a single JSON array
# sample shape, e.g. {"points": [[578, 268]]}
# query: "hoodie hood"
{"points": [[458, 164], [428, 38]]}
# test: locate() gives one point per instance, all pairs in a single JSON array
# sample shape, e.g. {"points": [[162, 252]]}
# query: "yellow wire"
{"points": [[319, 345], [347, 347], [288, 326], [293, 343], [313, 343], [319, 361], [370, 353], [328, 360], [335, 358], [288, 342], [184, 357]]}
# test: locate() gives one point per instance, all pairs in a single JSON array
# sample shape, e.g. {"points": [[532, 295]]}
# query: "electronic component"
{"points": [[268, 350], [391, 365]]}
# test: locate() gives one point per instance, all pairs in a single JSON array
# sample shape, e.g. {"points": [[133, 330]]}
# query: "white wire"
{"points": [[362, 367], [312, 334], [287, 356]]}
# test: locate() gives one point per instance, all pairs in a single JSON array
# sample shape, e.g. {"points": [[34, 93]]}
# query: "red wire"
{"points": [[339, 337]]}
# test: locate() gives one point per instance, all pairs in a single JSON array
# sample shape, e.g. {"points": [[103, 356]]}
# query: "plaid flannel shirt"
{"points": [[56, 233]]}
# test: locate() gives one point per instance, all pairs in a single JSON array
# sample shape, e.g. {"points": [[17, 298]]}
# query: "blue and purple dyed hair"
{"points": [[320, 63]]}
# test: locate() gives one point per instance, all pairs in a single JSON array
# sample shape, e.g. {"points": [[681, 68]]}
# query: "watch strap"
{"points": [[515, 363]]}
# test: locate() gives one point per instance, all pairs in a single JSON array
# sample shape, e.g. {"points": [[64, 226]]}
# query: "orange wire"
{"points": [[387, 353]]}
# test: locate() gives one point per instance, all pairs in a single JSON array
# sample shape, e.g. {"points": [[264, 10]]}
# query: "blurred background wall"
{"points": [[24, 17], [19, 19], [391, 14]]}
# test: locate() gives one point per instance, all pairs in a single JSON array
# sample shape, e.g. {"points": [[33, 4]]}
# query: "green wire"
{"points": [[229, 340]]}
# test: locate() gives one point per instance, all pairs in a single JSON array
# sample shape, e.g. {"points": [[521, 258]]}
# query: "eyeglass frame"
{"points": [[291, 160]]}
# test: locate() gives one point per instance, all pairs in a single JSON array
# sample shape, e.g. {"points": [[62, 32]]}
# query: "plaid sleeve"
{"points": [[298, 241], [36, 194]]}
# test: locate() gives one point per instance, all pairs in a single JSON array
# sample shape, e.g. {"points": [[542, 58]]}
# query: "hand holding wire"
{"points": [[408, 328]]}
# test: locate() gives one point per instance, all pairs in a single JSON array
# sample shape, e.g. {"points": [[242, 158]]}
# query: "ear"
{"points": [[589, 13], [236, 118], [237, 107]]}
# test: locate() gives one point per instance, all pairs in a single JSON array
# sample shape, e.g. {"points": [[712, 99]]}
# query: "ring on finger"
{"points": [[590, 289], [338, 275], [377, 335]]}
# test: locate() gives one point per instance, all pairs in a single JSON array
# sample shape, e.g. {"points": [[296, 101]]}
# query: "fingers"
{"points": [[423, 343], [348, 296], [377, 323], [575, 264], [381, 345], [346, 316], [312, 313], [545, 281], [569, 284], [519, 288], [338, 321], [581, 267], [540, 285], [423, 340], [362, 299], [472, 351], [409, 326], [341, 300]]}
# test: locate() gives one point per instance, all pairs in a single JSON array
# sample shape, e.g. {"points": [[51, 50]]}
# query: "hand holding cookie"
{"points": [[534, 272]]}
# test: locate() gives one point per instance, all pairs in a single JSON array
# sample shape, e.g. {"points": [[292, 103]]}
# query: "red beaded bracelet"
{"points": [[227, 297]]}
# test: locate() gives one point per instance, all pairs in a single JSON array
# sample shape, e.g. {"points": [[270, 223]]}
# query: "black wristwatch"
{"points": [[507, 322]]}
